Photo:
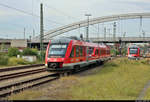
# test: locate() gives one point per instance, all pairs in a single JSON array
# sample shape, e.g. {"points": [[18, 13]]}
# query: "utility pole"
{"points": [[41, 30], [114, 34], [124, 34], [143, 32], [141, 25], [87, 36], [98, 31], [104, 33], [87, 29], [33, 32], [30, 40], [114, 31], [79, 28], [24, 33], [109, 33], [124, 44]]}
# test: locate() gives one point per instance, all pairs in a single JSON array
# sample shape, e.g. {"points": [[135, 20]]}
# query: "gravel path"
{"points": [[143, 92], [90, 71]]}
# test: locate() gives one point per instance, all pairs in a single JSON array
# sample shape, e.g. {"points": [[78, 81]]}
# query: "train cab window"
{"points": [[77, 51], [57, 50], [133, 50]]}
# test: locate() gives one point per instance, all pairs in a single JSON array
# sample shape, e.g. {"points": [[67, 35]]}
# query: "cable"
{"points": [[59, 11], [63, 13], [22, 11]]}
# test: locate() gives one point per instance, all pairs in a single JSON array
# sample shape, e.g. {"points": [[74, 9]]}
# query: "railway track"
{"points": [[7, 74], [14, 72], [19, 74], [19, 67], [11, 88], [20, 86]]}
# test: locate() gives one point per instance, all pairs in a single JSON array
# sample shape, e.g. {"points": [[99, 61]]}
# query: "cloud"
{"points": [[66, 11], [138, 1]]}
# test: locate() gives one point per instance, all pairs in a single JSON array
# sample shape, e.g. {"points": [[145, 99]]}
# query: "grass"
{"points": [[23, 95], [13, 61], [147, 94], [119, 79]]}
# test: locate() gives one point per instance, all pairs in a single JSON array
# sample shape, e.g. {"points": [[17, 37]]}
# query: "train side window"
{"points": [[102, 51], [72, 52], [87, 50], [77, 51], [96, 52], [91, 50], [81, 51], [99, 51], [84, 50]]}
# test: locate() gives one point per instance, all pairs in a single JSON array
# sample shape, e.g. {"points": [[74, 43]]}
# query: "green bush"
{"points": [[114, 52], [13, 51], [4, 54], [29, 51], [3, 60], [124, 51], [16, 61], [41, 56]]}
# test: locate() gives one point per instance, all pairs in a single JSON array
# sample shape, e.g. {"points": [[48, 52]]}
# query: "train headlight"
{"points": [[129, 56], [46, 65]]}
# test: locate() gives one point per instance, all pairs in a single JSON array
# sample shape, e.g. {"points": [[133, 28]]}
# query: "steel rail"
{"points": [[7, 90], [18, 74], [19, 67]]}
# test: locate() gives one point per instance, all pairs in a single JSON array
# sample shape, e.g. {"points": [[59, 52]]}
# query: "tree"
{"points": [[13, 52], [2, 47], [29, 51]]}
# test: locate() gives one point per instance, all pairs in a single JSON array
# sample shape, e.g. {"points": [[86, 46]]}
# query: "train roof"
{"points": [[133, 46], [61, 40], [68, 39]]}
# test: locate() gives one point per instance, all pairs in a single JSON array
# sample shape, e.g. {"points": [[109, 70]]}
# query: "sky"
{"points": [[15, 15]]}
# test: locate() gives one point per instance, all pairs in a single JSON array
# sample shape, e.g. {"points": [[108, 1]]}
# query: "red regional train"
{"points": [[67, 54], [133, 52]]}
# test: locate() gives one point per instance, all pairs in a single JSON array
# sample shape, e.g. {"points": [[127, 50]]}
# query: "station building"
{"points": [[5, 44]]}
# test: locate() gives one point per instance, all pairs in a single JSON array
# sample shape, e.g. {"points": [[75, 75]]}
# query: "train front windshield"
{"points": [[57, 50], [133, 51]]}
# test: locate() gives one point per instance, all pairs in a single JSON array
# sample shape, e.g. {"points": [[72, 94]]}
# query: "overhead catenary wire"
{"points": [[63, 13], [28, 13], [59, 11]]}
